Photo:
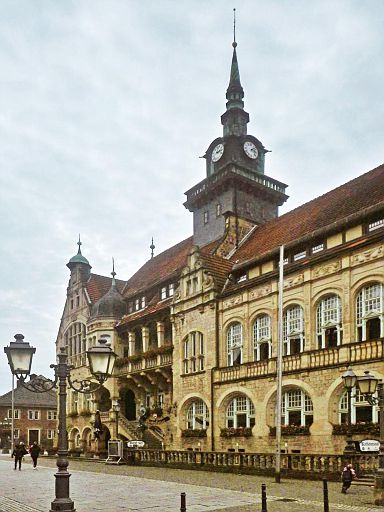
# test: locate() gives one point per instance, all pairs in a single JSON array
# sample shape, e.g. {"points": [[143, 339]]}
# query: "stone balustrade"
{"points": [[293, 465], [372, 350]]}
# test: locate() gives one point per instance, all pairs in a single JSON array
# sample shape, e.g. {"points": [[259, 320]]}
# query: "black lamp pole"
{"points": [[349, 379], [101, 360]]}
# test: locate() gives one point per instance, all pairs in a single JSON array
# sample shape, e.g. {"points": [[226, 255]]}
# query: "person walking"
{"points": [[19, 453], [347, 476], [34, 452]]}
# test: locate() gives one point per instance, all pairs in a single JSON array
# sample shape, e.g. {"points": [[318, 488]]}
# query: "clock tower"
{"points": [[236, 195]]}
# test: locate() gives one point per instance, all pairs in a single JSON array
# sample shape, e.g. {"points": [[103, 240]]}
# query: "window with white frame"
{"points": [[370, 312], [240, 412], [235, 344], [74, 339], [329, 322], [51, 415], [376, 225], [197, 415], [194, 352], [16, 414], [293, 330], [50, 434], [361, 410], [296, 408], [167, 291], [33, 415], [262, 346]]}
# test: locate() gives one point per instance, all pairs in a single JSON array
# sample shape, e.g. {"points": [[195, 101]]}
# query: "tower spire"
{"points": [[235, 92], [113, 273], [235, 118], [152, 247], [79, 243]]}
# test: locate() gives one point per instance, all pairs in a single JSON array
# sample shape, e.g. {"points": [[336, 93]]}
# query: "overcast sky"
{"points": [[106, 106]]}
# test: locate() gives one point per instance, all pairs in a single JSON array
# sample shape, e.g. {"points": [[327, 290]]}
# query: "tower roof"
{"points": [[111, 304], [78, 258]]}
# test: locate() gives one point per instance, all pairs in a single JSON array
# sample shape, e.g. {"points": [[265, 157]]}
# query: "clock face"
{"points": [[250, 149], [217, 153]]}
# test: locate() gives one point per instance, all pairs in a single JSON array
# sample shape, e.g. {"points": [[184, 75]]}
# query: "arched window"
{"points": [[370, 312], [296, 408], [74, 339], [193, 352], [197, 415], [262, 346], [329, 322], [361, 410], [240, 412], [293, 330], [235, 344]]}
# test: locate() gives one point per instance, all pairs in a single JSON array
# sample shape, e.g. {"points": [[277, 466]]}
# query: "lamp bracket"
{"points": [[86, 385], [37, 384]]}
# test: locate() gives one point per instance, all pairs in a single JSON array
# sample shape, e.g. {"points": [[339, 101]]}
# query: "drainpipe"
{"points": [[217, 340]]}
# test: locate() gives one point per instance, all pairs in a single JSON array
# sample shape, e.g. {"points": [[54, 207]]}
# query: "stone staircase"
{"points": [[128, 428], [366, 480]]}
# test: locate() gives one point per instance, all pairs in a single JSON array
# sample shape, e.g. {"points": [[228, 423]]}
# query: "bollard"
{"points": [[325, 494], [263, 498], [183, 506]]}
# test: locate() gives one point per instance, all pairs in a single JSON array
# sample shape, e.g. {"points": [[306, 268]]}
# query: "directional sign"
{"points": [[135, 444], [369, 445]]}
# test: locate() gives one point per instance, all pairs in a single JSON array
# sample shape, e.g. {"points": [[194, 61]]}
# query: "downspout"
{"points": [[217, 340]]}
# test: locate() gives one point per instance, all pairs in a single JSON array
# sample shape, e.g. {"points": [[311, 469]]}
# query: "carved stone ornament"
{"points": [[233, 301], [293, 281], [368, 255], [208, 279], [262, 291], [329, 268]]}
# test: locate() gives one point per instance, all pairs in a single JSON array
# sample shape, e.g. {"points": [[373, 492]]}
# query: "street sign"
{"points": [[369, 445], [135, 444]]}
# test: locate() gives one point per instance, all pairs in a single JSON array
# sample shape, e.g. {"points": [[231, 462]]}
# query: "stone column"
{"points": [[145, 337], [160, 333], [131, 343]]}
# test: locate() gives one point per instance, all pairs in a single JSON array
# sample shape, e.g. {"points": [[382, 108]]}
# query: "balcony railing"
{"points": [[372, 350], [154, 358]]}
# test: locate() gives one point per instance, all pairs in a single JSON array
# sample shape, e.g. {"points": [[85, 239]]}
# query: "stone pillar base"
{"points": [[378, 491]]}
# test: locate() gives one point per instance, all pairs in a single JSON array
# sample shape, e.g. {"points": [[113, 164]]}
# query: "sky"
{"points": [[107, 105]]}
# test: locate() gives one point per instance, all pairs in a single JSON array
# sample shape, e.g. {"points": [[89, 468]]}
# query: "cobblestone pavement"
{"points": [[96, 486]]}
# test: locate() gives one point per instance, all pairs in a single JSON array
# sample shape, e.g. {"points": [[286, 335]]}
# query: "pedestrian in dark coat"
{"points": [[19, 453], [347, 476], [34, 452]]}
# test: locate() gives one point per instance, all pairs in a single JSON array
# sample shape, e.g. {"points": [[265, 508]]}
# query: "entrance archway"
{"points": [[129, 404]]}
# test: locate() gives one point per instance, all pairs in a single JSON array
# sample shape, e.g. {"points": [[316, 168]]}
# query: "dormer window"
{"points": [[206, 217], [317, 248], [218, 210], [299, 256], [142, 302], [167, 291], [376, 225]]}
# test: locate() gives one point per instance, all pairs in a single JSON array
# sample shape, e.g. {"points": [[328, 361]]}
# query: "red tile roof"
{"points": [[97, 286], [159, 268], [151, 309], [348, 199]]}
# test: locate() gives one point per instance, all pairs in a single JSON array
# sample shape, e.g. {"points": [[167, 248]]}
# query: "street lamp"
{"points": [[368, 384], [349, 379], [101, 360], [116, 408]]}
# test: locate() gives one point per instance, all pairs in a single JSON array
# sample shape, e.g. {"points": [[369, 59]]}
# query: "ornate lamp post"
{"points": [[101, 360], [368, 385], [349, 379], [116, 408]]}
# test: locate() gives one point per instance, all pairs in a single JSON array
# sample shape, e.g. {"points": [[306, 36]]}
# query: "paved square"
{"points": [[95, 487]]}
